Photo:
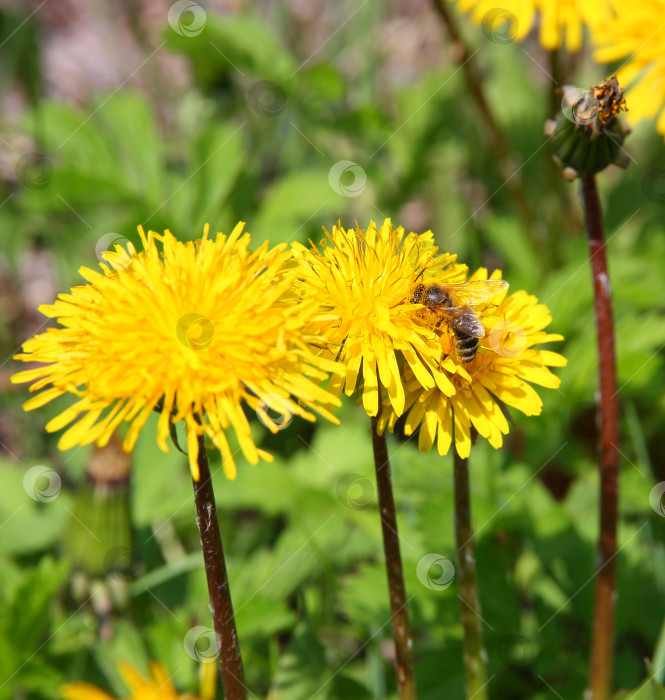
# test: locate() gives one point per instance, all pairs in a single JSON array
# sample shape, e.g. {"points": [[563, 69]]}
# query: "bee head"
{"points": [[417, 295]]}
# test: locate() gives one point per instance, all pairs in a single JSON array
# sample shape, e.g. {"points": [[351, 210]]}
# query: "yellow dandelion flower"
{"points": [[193, 330], [157, 687], [362, 280], [560, 21], [502, 371], [636, 32]]}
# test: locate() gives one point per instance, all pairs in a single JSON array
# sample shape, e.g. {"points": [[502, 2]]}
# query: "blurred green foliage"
{"points": [[254, 138]]}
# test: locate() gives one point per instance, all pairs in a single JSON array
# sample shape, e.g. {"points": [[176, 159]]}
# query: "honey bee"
{"points": [[452, 303]]}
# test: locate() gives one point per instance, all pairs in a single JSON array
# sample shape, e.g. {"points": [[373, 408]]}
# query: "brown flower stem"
{"points": [[558, 78], [406, 678], [608, 422], [558, 203], [502, 154], [474, 650], [230, 661]]}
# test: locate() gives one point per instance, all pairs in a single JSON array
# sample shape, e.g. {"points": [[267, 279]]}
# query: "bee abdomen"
{"points": [[466, 346]]}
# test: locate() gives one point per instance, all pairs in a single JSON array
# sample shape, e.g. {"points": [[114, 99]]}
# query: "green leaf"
{"points": [[164, 574], [132, 132], [26, 598], [236, 44], [295, 199], [126, 645], [649, 689], [303, 672], [29, 525], [263, 616], [513, 244], [161, 482]]}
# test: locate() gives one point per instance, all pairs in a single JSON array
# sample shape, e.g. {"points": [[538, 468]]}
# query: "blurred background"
{"points": [[290, 116]]}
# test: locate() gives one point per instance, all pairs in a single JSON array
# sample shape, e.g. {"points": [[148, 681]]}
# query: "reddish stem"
{"points": [[406, 678], [230, 661], [608, 422]]}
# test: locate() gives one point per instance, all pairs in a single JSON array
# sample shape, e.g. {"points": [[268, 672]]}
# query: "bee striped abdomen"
{"points": [[466, 346]]}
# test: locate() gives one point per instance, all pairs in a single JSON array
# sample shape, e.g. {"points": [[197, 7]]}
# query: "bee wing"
{"points": [[465, 321], [476, 291]]}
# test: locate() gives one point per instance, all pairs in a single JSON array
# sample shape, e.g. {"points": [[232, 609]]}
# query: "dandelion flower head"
{"points": [[501, 373], [635, 35], [560, 22], [193, 330], [362, 281]]}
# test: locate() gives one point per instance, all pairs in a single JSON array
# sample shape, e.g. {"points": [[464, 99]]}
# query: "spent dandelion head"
{"points": [[193, 330], [157, 687], [635, 35], [560, 22], [588, 134], [501, 373], [363, 282]]}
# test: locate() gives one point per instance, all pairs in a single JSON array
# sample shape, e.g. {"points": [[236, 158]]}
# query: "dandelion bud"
{"points": [[588, 135], [98, 538]]}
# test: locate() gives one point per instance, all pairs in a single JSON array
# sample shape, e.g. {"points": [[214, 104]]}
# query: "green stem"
{"points": [[608, 422], [230, 661], [406, 678], [474, 650]]}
